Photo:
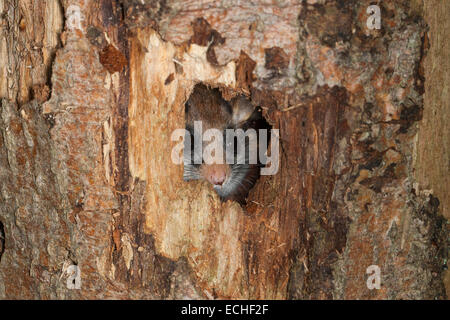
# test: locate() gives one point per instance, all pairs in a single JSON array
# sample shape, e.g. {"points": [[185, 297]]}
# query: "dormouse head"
{"points": [[209, 118]]}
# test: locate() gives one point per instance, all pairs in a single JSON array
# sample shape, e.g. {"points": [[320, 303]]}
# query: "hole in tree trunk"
{"points": [[223, 142]]}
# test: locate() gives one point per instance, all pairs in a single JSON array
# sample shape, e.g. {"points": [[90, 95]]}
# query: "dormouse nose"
{"points": [[218, 178], [215, 174]]}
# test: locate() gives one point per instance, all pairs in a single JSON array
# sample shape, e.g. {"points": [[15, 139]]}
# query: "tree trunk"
{"points": [[92, 206]]}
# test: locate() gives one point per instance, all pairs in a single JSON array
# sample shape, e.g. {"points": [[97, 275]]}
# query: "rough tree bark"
{"points": [[92, 91]]}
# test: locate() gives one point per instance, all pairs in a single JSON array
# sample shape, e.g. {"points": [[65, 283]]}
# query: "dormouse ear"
{"points": [[242, 110]]}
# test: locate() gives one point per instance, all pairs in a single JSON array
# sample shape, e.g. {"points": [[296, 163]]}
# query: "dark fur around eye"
{"points": [[190, 136], [256, 121]]}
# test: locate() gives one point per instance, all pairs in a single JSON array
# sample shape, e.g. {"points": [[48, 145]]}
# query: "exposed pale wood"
{"points": [[433, 141], [28, 42]]}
